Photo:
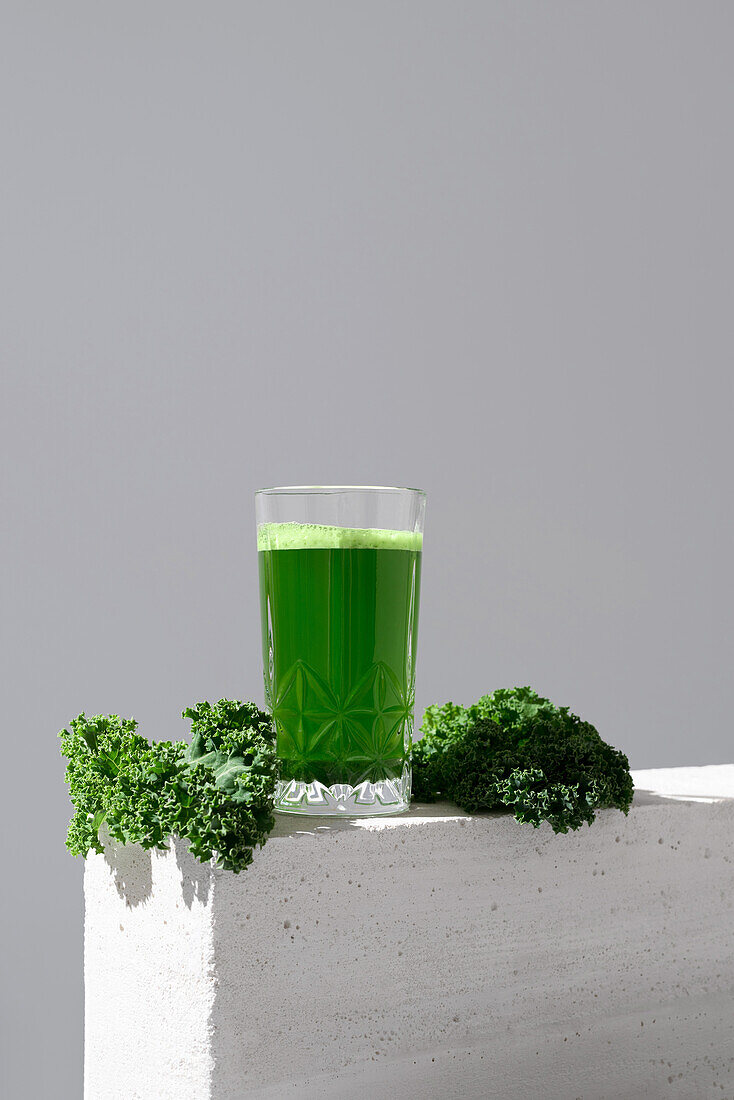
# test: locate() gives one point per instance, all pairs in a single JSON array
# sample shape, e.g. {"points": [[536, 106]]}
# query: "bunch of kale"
{"points": [[216, 793], [513, 750]]}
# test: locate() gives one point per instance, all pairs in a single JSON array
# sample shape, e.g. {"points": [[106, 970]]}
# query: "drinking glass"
{"points": [[339, 588]]}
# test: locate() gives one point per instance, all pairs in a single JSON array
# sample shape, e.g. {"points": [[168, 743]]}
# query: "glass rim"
{"points": [[314, 490]]}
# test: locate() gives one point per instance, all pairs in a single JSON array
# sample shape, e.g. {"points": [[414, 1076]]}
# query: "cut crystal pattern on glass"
{"points": [[359, 737], [388, 796]]}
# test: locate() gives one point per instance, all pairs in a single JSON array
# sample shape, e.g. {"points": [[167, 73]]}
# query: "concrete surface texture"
{"points": [[426, 955]]}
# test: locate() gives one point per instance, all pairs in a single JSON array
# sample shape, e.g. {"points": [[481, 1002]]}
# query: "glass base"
{"points": [[387, 796]]}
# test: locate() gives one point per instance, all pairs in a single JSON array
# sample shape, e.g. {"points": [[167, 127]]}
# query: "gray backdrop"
{"points": [[483, 248]]}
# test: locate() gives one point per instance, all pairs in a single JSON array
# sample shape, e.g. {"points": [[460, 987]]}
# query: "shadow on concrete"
{"points": [[196, 877], [653, 798], [306, 825], [297, 825], [132, 868], [648, 798]]}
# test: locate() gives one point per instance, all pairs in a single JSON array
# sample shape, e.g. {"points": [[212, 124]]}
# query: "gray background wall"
{"points": [[485, 248]]}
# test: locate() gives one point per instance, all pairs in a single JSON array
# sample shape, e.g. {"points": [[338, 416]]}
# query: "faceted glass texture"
{"points": [[339, 624]]}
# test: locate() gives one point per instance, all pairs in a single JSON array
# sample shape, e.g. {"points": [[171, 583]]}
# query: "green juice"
{"points": [[339, 627]]}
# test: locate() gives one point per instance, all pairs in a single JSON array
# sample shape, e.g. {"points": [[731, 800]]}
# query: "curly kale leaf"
{"points": [[442, 726], [233, 746], [217, 793], [98, 750], [515, 750]]}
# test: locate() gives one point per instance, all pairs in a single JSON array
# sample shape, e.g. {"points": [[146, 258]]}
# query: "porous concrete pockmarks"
{"points": [[433, 953]]}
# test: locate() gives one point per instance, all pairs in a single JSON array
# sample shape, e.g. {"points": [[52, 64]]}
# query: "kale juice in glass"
{"points": [[339, 607]]}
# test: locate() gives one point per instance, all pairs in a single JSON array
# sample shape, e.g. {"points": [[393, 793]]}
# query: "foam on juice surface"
{"points": [[316, 536]]}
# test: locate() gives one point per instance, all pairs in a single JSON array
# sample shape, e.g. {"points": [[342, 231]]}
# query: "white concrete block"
{"points": [[428, 955]]}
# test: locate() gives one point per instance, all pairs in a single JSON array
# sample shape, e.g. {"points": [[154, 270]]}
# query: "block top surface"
{"points": [[709, 783]]}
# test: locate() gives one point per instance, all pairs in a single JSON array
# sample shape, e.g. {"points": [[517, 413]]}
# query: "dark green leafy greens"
{"points": [[216, 793], [511, 750], [515, 750]]}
